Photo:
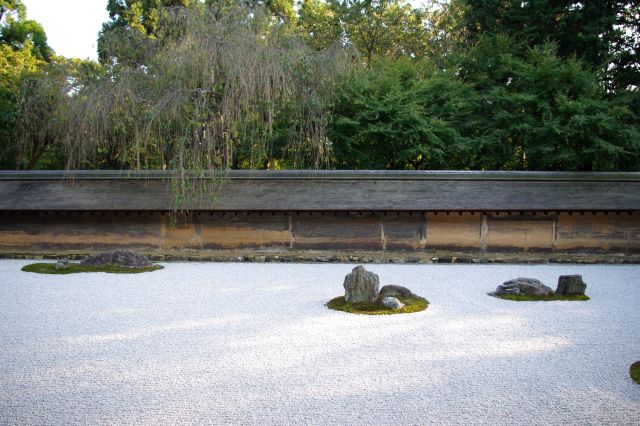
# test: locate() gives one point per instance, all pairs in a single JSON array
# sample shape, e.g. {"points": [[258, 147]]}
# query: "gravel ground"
{"points": [[253, 344]]}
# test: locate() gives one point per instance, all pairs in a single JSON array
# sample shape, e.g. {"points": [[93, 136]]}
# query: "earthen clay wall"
{"points": [[286, 232]]}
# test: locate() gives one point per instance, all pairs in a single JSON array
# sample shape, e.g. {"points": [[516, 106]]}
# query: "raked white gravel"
{"points": [[219, 343]]}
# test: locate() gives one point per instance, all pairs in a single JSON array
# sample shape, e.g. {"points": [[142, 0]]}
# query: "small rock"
{"points": [[392, 303], [62, 264], [361, 286], [524, 286], [261, 259], [395, 291], [571, 284]]}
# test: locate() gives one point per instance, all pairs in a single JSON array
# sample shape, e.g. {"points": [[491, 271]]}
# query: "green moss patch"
{"points": [[75, 268], [634, 371], [411, 304], [539, 298]]}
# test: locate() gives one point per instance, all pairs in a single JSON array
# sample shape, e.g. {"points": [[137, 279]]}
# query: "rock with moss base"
{"points": [[361, 286], [634, 371], [392, 303], [571, 285], [122, 258], [524, 286], [62, 264], [395, 291]]}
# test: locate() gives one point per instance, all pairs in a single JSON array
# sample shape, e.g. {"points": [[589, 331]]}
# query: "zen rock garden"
{"points": [[122, 258], [119, 261], [570, 287], [363, 295]]}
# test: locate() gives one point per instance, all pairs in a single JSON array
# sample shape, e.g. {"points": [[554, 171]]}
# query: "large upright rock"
{"points": [[570, 285], [361, 286], [524, 286], [122, 258]]}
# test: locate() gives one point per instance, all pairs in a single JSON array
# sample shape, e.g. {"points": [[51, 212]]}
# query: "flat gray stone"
{"points": [[524, 286], [395, 291]]}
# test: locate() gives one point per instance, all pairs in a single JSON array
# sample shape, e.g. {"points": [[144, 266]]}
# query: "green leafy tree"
{"points": [[23, 52], [394, 116], [385, 28], [12, 8], [46, 110], [19, 33], [605, 34], [213, 97], [493, 106], [282, 10], [135, 28], [538, 111], [319, 24]]}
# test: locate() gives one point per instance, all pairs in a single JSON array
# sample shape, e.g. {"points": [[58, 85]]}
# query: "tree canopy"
{"points": [[23, 52], [368, 84]]}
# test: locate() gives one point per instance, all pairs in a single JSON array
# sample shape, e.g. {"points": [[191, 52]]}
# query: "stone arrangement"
{"points": [[362, 286], [122, 258], [571, 285], [524, 286], [395, 291], [392, 303], [568, 285], [62, 264]]}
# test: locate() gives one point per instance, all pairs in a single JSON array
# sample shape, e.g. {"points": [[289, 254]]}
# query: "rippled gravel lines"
{"points": [[246, 343]]}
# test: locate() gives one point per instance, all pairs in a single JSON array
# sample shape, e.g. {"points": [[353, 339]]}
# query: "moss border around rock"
{"points": [[539, 298], [634, 372], [411, 304], [76, 268]]}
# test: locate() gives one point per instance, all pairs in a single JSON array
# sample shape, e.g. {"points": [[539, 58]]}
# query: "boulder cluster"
{"points": [[62, 264], [568, 285], [364, 286], [122, 258]]}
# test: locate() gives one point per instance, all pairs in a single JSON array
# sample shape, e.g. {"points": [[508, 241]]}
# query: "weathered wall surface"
{"points": [[291, 212], [413, 232]]}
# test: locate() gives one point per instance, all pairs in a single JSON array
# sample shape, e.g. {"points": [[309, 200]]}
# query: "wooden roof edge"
{"points": [[354, 211], [466, 175]]}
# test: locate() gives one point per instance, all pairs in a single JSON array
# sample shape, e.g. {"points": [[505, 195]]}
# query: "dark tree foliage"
{"points": [[394, 116], [536, 111], [496, 108], [377, 84], [219, 92], [604, 34]]}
